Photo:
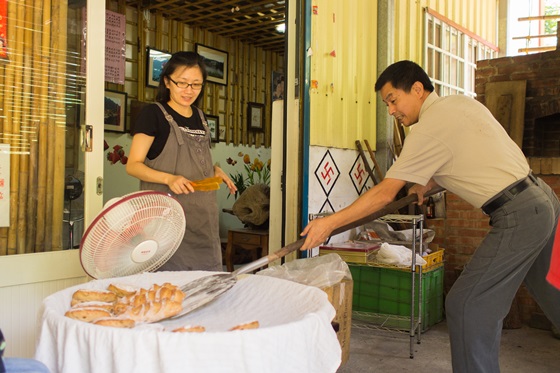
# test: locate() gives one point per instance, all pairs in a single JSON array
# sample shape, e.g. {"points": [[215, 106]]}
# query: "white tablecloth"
{"points": [[295, 333]]}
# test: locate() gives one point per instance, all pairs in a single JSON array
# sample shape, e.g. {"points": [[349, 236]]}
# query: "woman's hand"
{"points": [[179, 184], [218, 172]]}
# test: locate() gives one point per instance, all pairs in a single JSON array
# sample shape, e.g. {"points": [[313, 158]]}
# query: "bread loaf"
{"points": [[87, 314]]}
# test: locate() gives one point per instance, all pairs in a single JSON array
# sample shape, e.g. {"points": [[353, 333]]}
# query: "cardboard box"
{"points": [[351, 252], [340, 296]]}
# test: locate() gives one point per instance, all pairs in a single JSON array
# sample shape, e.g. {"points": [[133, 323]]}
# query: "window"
{"points": [[450, 55]]}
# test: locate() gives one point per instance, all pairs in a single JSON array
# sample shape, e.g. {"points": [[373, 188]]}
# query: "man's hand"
{"points": [[421, 190], [316, 232]]}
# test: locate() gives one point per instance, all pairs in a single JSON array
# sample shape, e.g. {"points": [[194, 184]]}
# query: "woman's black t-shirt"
{"points": [[152, 122]]}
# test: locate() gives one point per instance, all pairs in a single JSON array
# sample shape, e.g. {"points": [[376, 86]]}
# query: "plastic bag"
{"points": [[320, 271], [397, 255]]}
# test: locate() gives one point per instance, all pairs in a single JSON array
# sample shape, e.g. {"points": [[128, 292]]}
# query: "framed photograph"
{"points": [[115, 111], [255, 116], [222, 132], [214, 125], [156, 60], [216, 63]]}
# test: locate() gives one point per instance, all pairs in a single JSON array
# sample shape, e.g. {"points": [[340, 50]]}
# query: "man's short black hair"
{"points": [[402, 75]]}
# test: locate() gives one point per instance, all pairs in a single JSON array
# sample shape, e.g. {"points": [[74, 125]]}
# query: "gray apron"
{"points": [[190, 157]]}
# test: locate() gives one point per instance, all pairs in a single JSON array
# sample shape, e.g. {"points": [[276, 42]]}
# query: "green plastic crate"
{"points": [[388, 291]]}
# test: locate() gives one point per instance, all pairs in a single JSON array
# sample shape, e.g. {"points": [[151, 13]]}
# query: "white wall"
{"points": [[118, 183]]}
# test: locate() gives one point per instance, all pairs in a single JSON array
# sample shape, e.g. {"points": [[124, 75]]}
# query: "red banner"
{"points": [[3, 29]]}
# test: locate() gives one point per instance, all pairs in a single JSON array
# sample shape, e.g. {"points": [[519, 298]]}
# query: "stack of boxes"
{"points": [[386, 290]]}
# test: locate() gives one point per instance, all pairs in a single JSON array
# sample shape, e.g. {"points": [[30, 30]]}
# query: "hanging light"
{"points": [[281, 28]]}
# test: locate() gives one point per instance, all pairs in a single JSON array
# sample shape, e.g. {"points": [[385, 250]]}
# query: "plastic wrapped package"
{"points": [[321, 271]]}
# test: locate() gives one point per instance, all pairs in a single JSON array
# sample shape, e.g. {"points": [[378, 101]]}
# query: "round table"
{"points": [[295, 333]]}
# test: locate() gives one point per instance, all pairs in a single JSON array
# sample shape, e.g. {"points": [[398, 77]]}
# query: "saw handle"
{"points": [[390, 208]]}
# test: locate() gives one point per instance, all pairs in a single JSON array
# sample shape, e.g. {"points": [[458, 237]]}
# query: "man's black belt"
{"points": [[508, 194]]}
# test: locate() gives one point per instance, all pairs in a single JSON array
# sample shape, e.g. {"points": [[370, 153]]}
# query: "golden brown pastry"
{"points": [[115, 322], [105, 305], [190, 329], [153, 311], [87, 314], [90, 295], [121, 290], [250, 325]]}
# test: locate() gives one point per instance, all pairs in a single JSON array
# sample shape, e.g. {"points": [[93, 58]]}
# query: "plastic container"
{"points": [[388, 291]]}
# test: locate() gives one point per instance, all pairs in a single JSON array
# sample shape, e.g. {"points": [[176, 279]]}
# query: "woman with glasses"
{"points": [[171, 149]]}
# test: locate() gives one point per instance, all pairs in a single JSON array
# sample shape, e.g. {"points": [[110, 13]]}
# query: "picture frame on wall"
{"points": [[115, 111], [214, 125], [156, 60], [216, 63], [255, 116]]}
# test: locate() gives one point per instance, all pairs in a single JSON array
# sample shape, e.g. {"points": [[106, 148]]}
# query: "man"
{"points": [[457, 143]]}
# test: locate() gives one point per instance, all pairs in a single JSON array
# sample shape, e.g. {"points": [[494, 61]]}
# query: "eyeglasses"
{"points": [[185, 85]]}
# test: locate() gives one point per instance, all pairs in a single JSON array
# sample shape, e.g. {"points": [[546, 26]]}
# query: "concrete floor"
{"points": [[522, 350]]}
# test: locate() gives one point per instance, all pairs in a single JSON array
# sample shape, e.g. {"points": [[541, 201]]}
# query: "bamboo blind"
{"points": [[34, 97]]}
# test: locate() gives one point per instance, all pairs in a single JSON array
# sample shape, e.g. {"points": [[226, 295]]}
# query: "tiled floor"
{"points": [[522, 350]]}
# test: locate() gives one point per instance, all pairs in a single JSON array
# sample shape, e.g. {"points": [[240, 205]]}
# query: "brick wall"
{"points": [[464, 227]]}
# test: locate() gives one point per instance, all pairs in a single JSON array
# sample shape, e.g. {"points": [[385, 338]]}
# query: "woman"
{"points": [[171, 149]]}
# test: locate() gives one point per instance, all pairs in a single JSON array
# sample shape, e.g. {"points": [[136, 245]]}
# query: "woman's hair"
{"points": [[402, 75], [178, 60]]}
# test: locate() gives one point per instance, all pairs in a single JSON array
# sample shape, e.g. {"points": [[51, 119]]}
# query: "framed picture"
{"points": [[115, 111], [214, 125], [277, 85], [216, 63], [255, 116], [154, 65], [222, 132]]}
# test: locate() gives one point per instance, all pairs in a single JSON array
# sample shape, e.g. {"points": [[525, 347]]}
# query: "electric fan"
{"points": [[136, 233]]}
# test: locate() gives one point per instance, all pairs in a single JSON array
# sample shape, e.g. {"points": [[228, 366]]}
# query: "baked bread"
{"points": [[153, 311], [90, 295], [87, 314], [121, 290], [250, 325], [190, 329], [105, 305], [115, 322]]}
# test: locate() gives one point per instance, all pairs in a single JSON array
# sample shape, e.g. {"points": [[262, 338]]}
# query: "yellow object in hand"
{"points": [[208, 184]]}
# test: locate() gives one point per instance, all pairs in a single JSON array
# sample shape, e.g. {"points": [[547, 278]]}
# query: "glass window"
{"points": [[451, 55], [41, 173]]}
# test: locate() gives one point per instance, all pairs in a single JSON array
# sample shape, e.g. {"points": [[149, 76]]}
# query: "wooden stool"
{"points": [[246, 239]]}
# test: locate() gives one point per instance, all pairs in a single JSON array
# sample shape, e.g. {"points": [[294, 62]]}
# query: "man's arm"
{"points": [[318, 230]]}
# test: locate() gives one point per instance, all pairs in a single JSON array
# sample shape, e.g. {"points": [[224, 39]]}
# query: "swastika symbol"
{"points": [[359, 173], [327, 173]]}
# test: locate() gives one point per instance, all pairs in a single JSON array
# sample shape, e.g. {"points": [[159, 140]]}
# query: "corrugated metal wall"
{"points": [[343, 68], [478, 16], [342, 96]]}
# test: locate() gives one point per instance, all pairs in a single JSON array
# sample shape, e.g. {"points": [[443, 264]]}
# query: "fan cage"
{"points": [[107, 246]]}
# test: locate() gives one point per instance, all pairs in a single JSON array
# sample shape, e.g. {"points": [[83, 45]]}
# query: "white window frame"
{"points": [[456, 51]]}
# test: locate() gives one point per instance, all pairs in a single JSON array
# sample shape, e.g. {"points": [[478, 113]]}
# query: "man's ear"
{"points": [[418, 88]]}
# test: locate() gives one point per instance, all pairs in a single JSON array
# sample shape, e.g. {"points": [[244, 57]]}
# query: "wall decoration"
{"points": [[255, 116], [154, 65], [115, 111], [3, 30], [214, 125], [216, 63], [222, 131]]}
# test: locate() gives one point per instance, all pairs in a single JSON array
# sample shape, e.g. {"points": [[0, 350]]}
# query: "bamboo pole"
{"points": [[8, 96], [42, 132], [60, 19], [15, 132], [33, 143], [32, 192], [25, 124]]}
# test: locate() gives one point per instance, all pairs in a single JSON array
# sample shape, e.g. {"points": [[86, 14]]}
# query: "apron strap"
{"points": [[173, 124]]}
